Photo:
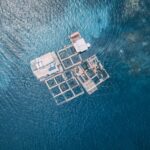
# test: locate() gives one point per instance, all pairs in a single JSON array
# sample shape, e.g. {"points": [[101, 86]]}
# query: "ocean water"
{"points": [[116, 117]]}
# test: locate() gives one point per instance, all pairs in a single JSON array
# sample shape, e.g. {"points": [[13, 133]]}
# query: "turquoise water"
{"points": [[116, 116]]}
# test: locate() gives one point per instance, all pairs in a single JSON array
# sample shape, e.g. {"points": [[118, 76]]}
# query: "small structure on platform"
{"points": [[46, 65], [78, 42], [66, 74]]}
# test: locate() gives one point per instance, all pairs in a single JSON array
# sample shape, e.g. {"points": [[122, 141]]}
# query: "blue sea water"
{"points": [[116, 117]]}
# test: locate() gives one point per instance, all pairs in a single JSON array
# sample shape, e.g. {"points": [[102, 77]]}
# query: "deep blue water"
{"points": [[116, 117]]}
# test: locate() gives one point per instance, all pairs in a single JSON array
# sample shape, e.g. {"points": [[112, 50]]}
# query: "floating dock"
{"points": [[66, 74]]}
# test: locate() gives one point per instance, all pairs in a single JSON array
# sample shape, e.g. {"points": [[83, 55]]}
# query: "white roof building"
{"points": [[80, 45], [45, 65]]}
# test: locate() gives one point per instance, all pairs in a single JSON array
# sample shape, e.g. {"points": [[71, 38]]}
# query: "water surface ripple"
{"points": [[116, 116]]}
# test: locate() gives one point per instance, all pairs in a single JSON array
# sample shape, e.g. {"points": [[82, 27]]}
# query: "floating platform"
{"points": [[66, 74]]}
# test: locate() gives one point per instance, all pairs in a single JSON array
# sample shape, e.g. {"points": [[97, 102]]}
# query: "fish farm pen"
{"points": [[66, 74]]}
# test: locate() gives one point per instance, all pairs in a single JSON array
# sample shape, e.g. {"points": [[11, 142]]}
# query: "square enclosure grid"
{"points": [[97, 77], [64, 87], [66, 52], [69, 57]]}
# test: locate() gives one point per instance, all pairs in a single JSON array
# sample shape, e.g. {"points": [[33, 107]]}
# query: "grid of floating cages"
{"points": [[97, 74], [64, 87], [69, 57]]}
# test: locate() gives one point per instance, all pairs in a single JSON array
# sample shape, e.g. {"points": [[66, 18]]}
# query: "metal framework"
{"points": [[66, 74]]}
